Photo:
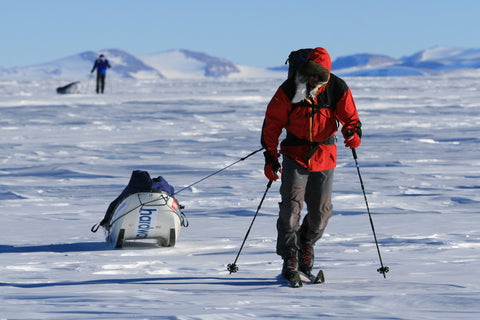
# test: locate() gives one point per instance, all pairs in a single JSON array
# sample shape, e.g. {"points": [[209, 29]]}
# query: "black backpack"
{"points": [[296, 59]]}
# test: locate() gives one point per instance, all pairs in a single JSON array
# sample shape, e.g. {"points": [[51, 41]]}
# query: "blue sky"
{"points": [[255, 33]]}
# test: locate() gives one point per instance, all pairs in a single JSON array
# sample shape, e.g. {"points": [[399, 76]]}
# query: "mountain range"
{"points": [[182, 64]]}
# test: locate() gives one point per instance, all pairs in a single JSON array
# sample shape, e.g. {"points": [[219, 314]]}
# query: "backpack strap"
{"points": [[289, 87]]}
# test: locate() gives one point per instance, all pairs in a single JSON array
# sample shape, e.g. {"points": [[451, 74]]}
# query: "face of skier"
{"points": [[314, 81]]}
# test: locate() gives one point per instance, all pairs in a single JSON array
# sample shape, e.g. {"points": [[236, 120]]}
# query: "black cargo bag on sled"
{"points": [[146, 209]]}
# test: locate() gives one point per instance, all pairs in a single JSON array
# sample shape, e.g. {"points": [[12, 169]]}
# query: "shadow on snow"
{"points": [[222, 281], [59, 248]]}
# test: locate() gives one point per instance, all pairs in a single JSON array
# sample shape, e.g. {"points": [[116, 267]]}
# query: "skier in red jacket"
{"points": [[309, 107]]}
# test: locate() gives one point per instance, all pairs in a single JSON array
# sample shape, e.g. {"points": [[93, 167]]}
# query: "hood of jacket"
{"points": [[318, 63], [320, 56]]}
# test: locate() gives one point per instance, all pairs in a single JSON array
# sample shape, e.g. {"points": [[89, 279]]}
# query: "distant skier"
{"points": [[309, 105], [101, 64]]}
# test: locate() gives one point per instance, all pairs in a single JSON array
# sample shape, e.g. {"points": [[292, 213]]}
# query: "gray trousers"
{"points": [[299, 186]]}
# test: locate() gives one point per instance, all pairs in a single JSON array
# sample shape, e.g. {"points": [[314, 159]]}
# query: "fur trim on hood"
{"points": [[302, 92], [318, 63]]}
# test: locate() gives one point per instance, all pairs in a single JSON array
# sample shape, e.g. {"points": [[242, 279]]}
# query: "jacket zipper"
{"points": [[311, 131]]}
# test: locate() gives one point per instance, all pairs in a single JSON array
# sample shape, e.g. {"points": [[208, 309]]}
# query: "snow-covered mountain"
{"points": [[178, 63], [172, 64], [186, 64], [444, 58], [427, 62], [364, 60], [79, 66]]}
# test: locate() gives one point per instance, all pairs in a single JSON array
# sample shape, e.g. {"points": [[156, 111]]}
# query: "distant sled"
{"points": [[73, 87], [145, 211]]}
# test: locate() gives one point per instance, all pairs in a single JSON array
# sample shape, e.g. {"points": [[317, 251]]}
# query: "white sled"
{"points": [[146, 215]]}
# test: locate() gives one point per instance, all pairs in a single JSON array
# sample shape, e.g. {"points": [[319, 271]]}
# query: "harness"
{"points": [[292, 140]]}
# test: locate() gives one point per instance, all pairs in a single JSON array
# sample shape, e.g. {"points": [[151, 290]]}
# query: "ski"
{"points": [[319, 278], [295, 281]]}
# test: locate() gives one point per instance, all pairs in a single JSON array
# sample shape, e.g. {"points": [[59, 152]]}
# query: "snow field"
{"points": [[65, 158]]}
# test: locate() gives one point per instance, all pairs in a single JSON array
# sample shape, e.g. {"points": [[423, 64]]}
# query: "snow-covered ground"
{"points": [[64, 158]]}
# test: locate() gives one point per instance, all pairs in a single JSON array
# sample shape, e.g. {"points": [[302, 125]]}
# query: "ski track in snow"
{"points": [[64, 158]]}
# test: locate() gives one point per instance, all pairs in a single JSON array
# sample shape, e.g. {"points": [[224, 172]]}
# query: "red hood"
{"points": [[321, 56]]}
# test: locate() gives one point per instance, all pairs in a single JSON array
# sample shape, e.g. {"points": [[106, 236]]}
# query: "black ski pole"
{"points": [[383, 269], [218, 171], [232, 267]]}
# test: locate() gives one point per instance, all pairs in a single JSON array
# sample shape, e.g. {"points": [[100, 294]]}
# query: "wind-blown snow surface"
{"points": [[64, 158]]}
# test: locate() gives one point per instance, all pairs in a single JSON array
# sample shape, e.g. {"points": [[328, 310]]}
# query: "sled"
{"points": [[143, 216], [145, 211], [73, 87]]}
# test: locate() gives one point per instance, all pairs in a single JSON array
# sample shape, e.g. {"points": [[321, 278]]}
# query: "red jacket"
{"points": [[310, 124]]}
